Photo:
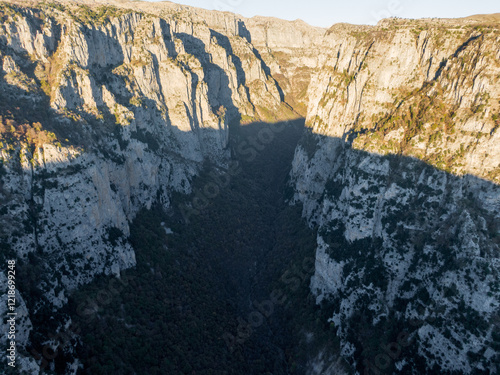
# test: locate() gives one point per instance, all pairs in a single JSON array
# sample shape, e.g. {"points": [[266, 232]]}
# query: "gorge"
{"points": [[194, 192]]}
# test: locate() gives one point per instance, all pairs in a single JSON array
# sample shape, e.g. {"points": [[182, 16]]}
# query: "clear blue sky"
{"points": [[327, 12]]}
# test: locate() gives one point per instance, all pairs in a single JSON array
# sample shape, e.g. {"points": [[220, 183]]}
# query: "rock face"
{"points": [[141, 102], [400, 173], [110, 109], [104, 114]]}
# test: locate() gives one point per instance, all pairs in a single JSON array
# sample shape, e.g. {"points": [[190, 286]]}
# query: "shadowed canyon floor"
{"points": [[188, 305]]}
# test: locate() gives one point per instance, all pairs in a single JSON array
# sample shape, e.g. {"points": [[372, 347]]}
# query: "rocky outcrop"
{"points": [[140, 103], [104, 112], [400, 173]]}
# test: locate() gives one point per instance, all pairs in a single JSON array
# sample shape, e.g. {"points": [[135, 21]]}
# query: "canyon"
{"points": [[167, 171]]}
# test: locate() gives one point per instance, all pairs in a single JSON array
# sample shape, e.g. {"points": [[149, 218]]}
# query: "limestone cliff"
{"points": [[400, 172], [106, 111], [133, 104]]}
